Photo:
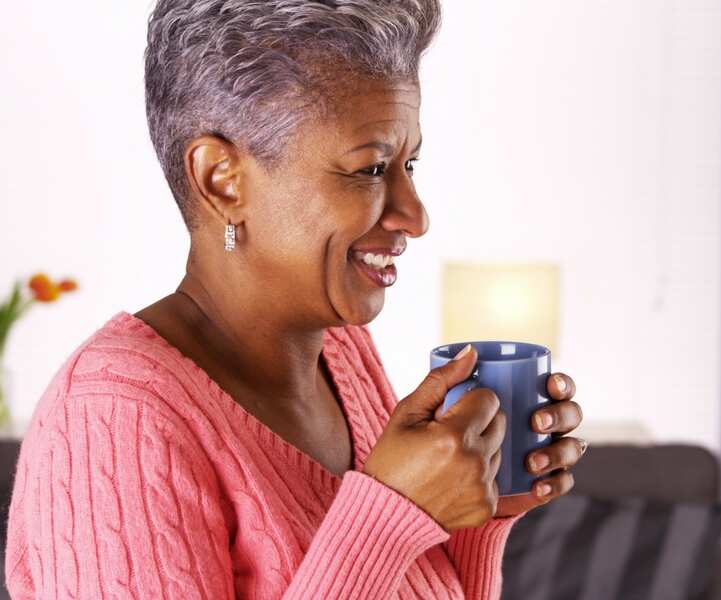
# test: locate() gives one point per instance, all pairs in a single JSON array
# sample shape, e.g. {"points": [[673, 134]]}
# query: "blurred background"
{"points": [[571, 169]]}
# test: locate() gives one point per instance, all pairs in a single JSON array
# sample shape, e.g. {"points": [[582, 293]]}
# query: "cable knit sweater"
{"points": [[139, 477]]}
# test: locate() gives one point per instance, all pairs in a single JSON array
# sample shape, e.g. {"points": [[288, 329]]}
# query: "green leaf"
{"points": [[10, 311]]}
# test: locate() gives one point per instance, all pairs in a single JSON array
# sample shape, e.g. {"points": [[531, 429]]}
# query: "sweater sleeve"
{"points": [[365, 544], [477, 554], [114, 500]]}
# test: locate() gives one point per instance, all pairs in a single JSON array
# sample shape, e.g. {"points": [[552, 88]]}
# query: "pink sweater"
{"points": [[139, 477]]}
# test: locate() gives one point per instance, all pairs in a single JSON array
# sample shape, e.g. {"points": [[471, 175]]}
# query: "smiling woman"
{"points": [[239, 437]]}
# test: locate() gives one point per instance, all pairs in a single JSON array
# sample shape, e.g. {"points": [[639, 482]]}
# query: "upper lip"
{"points": [[393, 251]]}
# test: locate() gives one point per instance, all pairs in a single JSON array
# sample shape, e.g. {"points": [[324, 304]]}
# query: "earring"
{"points": [[229, 237]]}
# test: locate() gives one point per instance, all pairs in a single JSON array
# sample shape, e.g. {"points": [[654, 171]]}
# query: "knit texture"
{"points": [[139, 477]]}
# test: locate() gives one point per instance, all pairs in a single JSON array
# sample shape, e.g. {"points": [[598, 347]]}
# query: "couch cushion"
{"points": [[663, 472], [583, 548], [9, 450]]}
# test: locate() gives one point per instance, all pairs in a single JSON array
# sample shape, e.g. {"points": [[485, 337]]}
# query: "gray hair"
{"points": [[250, 71]]}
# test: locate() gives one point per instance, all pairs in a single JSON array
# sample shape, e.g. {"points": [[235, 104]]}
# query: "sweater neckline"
{"points": [[294, 455]]}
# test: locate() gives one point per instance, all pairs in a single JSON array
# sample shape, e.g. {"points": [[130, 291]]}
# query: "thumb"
{"points": [[426, 401]]}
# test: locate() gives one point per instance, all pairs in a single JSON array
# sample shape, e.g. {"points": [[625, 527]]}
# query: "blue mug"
{"points": [[517, 373]]}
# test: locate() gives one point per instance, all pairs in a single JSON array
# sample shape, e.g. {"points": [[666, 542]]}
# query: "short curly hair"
{"points": [[250, 71]]}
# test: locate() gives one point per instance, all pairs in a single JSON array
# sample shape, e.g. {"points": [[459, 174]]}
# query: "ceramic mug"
{"points": [[517, 373]]}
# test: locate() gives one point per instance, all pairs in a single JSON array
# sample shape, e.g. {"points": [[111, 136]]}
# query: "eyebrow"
{"points": [[386, 149]]}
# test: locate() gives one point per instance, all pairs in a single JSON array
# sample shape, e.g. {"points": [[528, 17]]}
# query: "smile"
{"points": [[378, 268]]}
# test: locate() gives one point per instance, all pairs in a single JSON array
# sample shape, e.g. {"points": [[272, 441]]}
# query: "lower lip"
{"points": [[385, 277]]}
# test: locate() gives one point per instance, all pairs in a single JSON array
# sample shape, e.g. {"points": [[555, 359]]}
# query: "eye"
{"points": [[372, 171], [410, 164]]}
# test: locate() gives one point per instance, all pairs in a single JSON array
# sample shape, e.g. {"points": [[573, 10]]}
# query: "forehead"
{"points": [[372, 107]]}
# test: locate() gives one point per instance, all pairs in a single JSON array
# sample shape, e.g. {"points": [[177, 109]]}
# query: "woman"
{"points": [[239, 437]]}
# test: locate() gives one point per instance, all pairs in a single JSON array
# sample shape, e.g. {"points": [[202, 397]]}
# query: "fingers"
{"points": [[473, 412], [495, 463], [560, 386], [558, 484], [426, 398], [562, 453], [495, 432], [564, 417]]}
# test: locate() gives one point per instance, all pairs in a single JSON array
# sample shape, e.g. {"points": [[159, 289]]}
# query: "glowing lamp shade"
{"points": [[504, 301]]}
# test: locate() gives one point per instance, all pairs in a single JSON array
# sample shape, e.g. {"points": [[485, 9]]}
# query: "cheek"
{"points": [[358, 215], [318, 231]]}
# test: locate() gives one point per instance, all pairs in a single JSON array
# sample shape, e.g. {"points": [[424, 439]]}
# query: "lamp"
{"points": [[502, 301]]}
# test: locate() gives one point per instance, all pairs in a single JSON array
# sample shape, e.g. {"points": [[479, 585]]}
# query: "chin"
{"points": [[360, 311], [362, 321]]}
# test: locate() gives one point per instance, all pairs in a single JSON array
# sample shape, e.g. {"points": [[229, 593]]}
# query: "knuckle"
{"points": [[436, 383], [484, 514], [489, 395], [488, 500], [497, 457], [562, 483], [470, 442], [470, 403], [486, 401], [561, 453], [449, 443], [569, 453]]}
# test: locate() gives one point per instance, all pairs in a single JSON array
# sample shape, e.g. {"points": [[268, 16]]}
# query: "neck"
{"points": [[274, 359]]}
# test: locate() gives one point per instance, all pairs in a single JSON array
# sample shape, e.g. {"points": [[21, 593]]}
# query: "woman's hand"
{"points": [[562, 453], [447, 465]]}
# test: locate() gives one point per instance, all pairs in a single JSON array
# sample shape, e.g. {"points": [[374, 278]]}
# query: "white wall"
{"points": [[585, 133]]}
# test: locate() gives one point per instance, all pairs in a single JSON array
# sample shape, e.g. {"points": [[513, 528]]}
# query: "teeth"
{"points": [[379, 261]]}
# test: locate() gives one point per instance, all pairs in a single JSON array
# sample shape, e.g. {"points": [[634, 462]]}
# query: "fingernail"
{"points": [[560, 383], [543, 420], [584, 445], [539, 461], [543, 489], [462, 353]]}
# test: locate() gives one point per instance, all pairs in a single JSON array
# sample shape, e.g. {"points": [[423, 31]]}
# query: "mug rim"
{"points": [[545, 351]]}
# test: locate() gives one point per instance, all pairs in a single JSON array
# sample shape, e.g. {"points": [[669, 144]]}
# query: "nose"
{"points": [[405, 212]]}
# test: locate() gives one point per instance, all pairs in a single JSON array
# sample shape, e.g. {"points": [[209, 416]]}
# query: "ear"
{"points": [[213, 167]]}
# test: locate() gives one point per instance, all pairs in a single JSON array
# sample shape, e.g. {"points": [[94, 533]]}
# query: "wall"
{"points": [[585, 133]]}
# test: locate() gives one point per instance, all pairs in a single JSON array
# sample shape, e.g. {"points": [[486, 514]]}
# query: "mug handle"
{"points": [[454, 394]]}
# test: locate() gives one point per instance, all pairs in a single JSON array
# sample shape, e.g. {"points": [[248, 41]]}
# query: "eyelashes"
{"points": [[372, 171]]}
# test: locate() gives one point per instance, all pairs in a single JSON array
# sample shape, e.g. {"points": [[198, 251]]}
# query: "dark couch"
{"points": [[640, 522], [670, 473], [9, 450]]}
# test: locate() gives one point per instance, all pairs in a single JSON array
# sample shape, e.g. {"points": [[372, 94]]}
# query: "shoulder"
{"points": [[122, 376], [115, 455]]}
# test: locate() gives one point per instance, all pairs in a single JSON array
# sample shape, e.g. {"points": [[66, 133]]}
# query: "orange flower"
{"points": [[67, 285], [39, 283], [48, 294], [46, 290]]}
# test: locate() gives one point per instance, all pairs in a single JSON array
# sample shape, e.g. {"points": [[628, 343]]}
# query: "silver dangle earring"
{"points": [[229, 237]]}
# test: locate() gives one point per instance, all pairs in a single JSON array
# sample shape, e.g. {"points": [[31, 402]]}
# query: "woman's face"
{"points": [[348, 184]]}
